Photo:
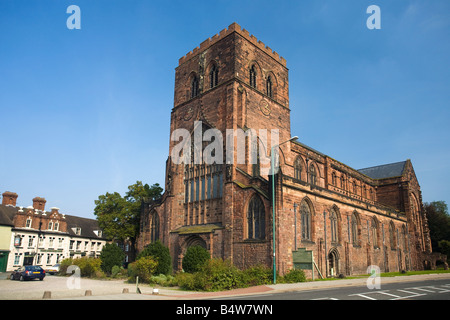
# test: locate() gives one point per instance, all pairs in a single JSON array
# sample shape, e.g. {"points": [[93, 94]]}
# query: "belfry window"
{"points": [[253, 77], [256, 219], [213, 77], [194, 87], [269, 87]]}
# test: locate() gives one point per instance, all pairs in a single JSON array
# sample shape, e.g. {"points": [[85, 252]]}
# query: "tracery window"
{"points": [[305, 220], [334, 225], [154, 227], [354, 227], [298, 168], [312, 175], [256, 219]]}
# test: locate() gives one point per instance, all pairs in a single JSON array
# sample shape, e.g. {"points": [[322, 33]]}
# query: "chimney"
{"points": [[39, 203], [9, 198]]}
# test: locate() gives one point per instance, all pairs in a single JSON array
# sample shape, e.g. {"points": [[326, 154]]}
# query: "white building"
{"points": [[44, 238]]}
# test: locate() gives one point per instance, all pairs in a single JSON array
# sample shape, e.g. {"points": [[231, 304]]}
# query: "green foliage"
{"points": [[143, 268], [444, 248], [119, 216], [258, 275], [160, 253], [294, 276], [438, 222], [111, 256], [89, 267], [195, 258]]}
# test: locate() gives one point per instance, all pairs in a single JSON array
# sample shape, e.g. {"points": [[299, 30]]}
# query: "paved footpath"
{"points": [[113, 289]]}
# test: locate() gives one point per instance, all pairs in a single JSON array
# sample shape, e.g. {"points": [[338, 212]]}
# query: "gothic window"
{"points": [[354, 227], [334, 225], [253, 76], [213, 76], [194, 86], [269, 87], [374, 232], [305, 220], [333, 179], [298, 168], [256, 219], [392, 235], [202, 181], [154, 227], [312, 175], [342, 182]]}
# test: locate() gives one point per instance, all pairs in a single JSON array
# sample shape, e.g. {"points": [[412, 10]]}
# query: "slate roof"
{"points": [[88, 226], [6, 215], [385, 171]]}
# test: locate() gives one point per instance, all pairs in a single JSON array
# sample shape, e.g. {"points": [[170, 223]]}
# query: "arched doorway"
{"points": [[333, 262]]}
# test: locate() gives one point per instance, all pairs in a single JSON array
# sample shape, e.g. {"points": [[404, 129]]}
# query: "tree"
{"points": [[195, 258], [119, 217], [111, 256], [438, 222], [161, 254]]}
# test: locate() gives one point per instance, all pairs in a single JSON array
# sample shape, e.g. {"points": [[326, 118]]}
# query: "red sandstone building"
{"points": [[349, 219]]}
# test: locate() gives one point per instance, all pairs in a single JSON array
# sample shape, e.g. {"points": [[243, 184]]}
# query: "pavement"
{"points": [[113, 290]]}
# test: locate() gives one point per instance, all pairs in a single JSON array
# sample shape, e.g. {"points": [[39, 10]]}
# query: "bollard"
{"points": [[155, 291], [125, 290], [47, 295], [88, 293]]}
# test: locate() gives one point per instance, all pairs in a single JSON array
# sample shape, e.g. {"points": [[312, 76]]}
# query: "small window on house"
{"points": [[28, 223]]}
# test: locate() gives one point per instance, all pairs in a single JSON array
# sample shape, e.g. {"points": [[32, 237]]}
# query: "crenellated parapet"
{"points": [[234, 27]]}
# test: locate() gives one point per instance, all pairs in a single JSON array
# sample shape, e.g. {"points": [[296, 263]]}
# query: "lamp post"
{"points": [[273, 203]]}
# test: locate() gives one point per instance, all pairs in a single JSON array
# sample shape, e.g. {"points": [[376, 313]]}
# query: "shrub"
{"points": [[88, 266], [143, 268], [294, 276], [66, 263], [160, 253], [216, 275], [257, 275], [195, 258], [111, 256]]}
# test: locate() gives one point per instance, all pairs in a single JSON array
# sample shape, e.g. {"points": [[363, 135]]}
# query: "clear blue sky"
{"points": [[85, 112]]}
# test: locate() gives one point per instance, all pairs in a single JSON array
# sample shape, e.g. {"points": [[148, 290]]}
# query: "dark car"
{"points": [[28, 273]]}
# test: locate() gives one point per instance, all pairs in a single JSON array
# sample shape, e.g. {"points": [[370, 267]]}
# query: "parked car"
{"points": [[53, 270], [28, 273]]}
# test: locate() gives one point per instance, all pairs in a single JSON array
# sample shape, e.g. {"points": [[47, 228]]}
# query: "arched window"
{"points": [[334, 225], [269, 87], [392, 239], [298, 168], [375, 232], [253, 77], [312, 175], [194, 87], [256, 219], [333, 179], [355, 228], [305, 220], [213, 76], [154, 227]]}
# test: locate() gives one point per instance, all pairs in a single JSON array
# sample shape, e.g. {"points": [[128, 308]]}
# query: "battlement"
{"points": [[234, 27]]}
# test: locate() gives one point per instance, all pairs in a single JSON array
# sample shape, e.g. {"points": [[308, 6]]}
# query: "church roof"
{"points": [[385, 171]]}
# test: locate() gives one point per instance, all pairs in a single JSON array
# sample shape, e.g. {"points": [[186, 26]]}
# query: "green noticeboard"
{"points": [[303, 259]]}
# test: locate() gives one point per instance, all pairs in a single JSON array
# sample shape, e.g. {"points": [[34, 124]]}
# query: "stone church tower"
{"points": [[349, 219]]}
